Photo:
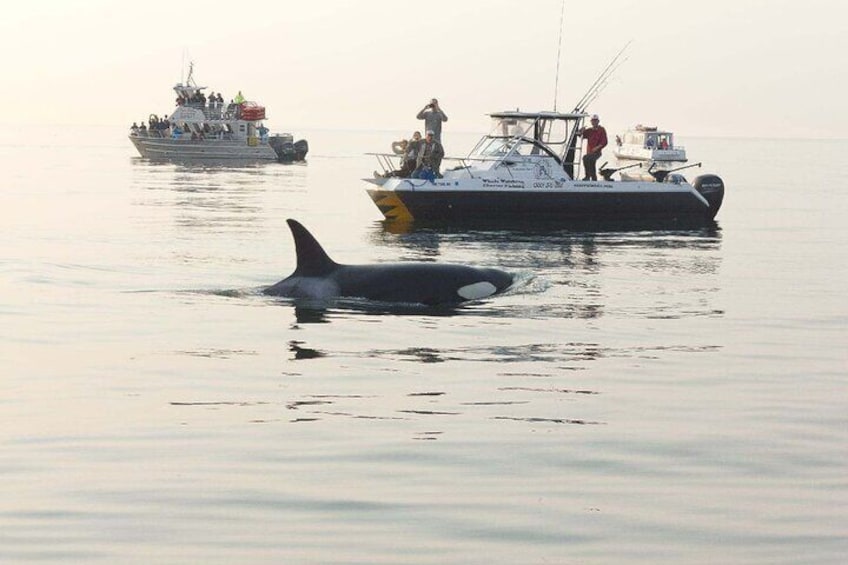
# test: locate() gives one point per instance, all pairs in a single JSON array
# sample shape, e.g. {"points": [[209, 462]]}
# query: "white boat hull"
{"points": [[644, 154]]}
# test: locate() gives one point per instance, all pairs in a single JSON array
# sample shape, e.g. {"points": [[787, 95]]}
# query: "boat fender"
{"points": [[711, 187]]}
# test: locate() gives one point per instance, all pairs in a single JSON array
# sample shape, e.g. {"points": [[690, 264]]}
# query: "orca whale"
{"points": [[319, 277]]}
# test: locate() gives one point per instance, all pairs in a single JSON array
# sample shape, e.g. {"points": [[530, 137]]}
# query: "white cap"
{"points": [[430, 132], [595, 117]]}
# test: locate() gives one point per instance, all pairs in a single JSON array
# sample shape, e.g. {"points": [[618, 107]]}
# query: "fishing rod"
{"points": [[604, 76], [601, 87]]}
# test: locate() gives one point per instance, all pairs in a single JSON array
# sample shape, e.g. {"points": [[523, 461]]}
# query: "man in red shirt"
{"points": [[596, 140]]}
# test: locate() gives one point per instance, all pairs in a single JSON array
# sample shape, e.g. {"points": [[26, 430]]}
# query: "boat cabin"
{"points": [[520, 135], [649, 137]]}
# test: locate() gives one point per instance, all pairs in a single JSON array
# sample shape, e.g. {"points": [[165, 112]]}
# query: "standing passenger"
{"points": [[433, 117], [596, 140]]}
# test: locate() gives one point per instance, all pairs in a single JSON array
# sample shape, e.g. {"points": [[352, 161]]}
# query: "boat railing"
{"points": [[386, 161], [216, 112]]}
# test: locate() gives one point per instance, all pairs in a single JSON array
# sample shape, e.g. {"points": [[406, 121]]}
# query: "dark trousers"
{"points": [[589, 161], [405, 171]]}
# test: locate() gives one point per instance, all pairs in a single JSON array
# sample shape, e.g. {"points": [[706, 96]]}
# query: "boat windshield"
{"points": [[499, 147], [531, 135], [506, 134], [512, 127]]}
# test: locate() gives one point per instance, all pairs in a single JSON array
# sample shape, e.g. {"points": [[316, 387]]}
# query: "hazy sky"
{"points": [[753, 68]]}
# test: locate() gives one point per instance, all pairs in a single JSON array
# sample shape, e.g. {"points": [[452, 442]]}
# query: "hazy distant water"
{"points": [[639, 397]]}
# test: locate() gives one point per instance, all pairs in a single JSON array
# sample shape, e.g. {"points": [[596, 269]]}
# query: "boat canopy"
{"points": [[531, 133], [188, 91], [649, 138], [187, 114]]}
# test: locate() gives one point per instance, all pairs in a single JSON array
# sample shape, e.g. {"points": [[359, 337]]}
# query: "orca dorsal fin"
{"points": [[312, 260]]}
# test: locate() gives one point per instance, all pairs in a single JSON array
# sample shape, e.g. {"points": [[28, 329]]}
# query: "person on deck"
{"points": [[596, 140], [433, 117], [430, 155], [408, 150]]}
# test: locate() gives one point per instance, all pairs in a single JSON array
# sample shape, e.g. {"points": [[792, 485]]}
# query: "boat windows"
{"points": [[631, 138], [498, 147], [512, 127], [553, 132], [493, 147]]}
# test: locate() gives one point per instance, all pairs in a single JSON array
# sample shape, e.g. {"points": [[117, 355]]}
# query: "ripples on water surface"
{"points": [[657, 396]]}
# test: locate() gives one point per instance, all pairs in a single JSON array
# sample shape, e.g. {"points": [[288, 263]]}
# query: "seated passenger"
{"points": [[430, 156], [399, 147], [409, 160]]}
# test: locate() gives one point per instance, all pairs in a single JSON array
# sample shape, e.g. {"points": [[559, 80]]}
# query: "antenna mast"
{"points": [[559, 51]]}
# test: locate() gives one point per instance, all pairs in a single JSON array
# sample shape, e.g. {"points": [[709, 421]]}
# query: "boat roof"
{"points": [[648, 129], [518, 115]]}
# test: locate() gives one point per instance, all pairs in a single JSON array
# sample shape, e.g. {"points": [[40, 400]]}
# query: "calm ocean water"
{"points": [[639, 397]]}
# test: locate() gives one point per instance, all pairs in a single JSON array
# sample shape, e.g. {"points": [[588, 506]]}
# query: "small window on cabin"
{"points": [[554, 132]]}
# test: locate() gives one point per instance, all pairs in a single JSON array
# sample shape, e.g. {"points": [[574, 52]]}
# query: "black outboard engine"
{"points": [[301, 148], [711, 187], [283, 148]]}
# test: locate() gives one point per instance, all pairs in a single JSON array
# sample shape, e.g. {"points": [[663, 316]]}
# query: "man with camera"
{"points": [[433, 117]]}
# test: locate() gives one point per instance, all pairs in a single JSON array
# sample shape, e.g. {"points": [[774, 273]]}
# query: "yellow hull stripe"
{"points": [[390, 205]]}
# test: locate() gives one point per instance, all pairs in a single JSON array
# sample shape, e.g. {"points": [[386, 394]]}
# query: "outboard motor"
{"points": [[711, 187], [301, 148], [283, 148]]}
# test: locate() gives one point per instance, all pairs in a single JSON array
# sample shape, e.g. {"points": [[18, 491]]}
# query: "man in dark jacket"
{"points": [[430, 155]]}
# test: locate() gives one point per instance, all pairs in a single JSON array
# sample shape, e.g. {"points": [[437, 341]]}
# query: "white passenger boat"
{"points": [[648, 143], [205, 127], [527, 168]]}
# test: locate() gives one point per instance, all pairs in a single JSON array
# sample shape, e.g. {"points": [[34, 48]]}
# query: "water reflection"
{"points": [[215, 195], [214, 165], [314, 311], [428, 240], [301, 352], [582, 271]]}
